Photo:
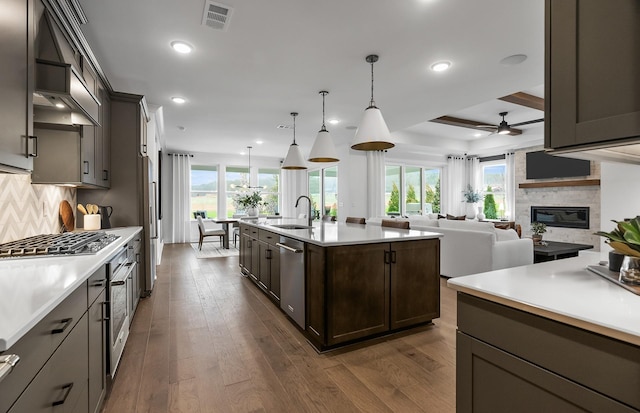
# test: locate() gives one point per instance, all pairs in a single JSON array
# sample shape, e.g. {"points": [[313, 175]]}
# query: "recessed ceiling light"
{"points": [[333, 121], [178, 100], [60, 105], [181, 128], [181, 47], [440, 66], [259, 142], [515, 59]]}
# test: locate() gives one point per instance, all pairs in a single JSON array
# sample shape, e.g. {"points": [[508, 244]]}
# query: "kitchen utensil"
{"points": [[92, 208], [105, 214], [82, 209], [66, 213]]}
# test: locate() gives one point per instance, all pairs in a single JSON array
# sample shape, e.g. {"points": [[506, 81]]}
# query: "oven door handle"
{"points": [[119, 282]]}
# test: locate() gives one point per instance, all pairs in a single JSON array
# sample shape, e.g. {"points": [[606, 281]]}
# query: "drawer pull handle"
{"points": [[66, 322], [116, 283], [67, 389], [7, 363], [98, 283]]}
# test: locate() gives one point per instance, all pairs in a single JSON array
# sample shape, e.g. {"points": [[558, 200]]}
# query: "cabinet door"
{"points": [[415, 282], [264, 272], [357, 292], [134, 280], [105, 119], [16, 83], [274, 290], [592, 72], [88, 158], [97, 353], [489, 380], [255, 258]]}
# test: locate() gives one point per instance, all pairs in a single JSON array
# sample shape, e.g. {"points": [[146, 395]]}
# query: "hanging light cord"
{"points": [[323, 129], [294, 127], [372, 103]]}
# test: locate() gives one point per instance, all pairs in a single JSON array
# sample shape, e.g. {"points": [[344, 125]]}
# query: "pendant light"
{"points": [[323, 149], [373, 133], [294, 159]]}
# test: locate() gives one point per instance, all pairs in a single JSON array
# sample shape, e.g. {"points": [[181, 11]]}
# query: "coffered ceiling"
{"points": [[274, 57]]}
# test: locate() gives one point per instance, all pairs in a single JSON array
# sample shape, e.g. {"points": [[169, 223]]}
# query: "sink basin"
{"points": [[291, 226]]}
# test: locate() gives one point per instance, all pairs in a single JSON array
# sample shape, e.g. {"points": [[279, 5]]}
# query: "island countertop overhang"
{"points": [[327, 234]]}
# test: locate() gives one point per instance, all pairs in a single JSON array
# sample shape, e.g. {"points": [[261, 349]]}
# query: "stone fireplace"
{"points": [[562, 217]]}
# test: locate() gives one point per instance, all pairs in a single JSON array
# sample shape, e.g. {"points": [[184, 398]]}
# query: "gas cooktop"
{"points": [[68, 243]]}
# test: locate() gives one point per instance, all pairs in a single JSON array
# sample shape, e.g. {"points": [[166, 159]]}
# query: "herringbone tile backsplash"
{"points": [[27, 209]]}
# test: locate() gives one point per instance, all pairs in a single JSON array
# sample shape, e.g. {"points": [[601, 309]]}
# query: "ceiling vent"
{"points": [[284, 127], [216, 15]]}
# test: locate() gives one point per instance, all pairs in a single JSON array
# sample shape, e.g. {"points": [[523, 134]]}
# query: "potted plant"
{"points": [[250, 202], [625, 240], [537, 229], [471, 197]]}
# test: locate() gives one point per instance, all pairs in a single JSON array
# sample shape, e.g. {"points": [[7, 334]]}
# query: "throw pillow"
{"points": [[502, 226], [506, 235], [456, 218]]}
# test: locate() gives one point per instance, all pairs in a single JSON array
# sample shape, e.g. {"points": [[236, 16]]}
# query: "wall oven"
{"points": [[119, 293]]}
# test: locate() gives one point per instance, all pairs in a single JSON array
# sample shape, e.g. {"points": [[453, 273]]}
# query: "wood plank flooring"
{"points": [[208, 340]]}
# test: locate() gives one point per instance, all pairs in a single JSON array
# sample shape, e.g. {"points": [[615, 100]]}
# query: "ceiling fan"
{"points": [[504, 128]]}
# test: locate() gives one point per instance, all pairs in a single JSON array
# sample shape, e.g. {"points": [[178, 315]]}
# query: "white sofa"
{"points": [[470, 247]]}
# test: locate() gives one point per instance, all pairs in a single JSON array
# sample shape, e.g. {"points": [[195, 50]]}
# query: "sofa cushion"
{"points": [[422, 221], [467, 225], [456, 218], [506, 234]]}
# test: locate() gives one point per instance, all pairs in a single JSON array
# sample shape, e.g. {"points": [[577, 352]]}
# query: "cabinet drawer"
{"points": [[268, 237], [96, 284], [61, 385], [557, 347], [35, 348], [251, 231]]}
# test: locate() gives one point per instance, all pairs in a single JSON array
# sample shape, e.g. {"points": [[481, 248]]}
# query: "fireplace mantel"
{"points": [[552, 184]]}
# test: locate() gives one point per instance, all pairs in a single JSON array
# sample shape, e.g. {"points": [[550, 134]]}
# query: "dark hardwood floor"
{"points": [[208, 340]]}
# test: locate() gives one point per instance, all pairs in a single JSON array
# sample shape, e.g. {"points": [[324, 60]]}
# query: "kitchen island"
{"points": [[547, 337], [353, 281]]}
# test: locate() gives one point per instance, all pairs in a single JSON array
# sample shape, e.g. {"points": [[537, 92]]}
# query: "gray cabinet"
{"points": [[97, 328], [134, 249], [16, 83], [269, 267], [508, 360], [592, 73]]}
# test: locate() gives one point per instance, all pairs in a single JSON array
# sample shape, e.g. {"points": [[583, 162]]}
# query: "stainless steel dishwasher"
{"points": [[292, 290]]}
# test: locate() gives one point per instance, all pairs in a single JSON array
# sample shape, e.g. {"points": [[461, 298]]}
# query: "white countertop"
{"points": [[562, 290], [31, 287], [328, 234]]}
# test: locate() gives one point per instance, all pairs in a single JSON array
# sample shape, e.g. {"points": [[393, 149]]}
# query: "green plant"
{"points": [[394, 199], [490, 205], [625, 239], [411, 195], [471, 196], [250, 200], [538, 228]]}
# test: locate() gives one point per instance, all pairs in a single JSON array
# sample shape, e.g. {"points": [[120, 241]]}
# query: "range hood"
{"points": [[625, 153], [62, 97]]}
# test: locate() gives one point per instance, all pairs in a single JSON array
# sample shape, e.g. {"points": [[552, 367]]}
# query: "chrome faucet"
{"points": [[309, 215]]}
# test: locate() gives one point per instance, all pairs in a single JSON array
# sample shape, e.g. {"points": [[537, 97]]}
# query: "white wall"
{"points": [[620, 194]]}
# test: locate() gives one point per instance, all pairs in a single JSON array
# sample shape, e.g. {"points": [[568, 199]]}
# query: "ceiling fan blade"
{"points": [[529, 122], [487, 126]]}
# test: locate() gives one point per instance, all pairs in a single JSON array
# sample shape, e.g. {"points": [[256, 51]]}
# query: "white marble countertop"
{"points": [[31, 287], [562, 290], [328, 234]]}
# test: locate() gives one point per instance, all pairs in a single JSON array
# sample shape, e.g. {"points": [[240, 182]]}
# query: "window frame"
{"points": [[216, 192]]}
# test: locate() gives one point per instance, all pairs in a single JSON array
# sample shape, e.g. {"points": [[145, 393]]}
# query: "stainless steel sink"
{"points": [[291, 226]]}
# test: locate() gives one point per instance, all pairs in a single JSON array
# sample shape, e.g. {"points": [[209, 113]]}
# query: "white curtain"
{"points": [[293, 184], [474, 174], [375, 183], [181, 197], [453, 186], [510, 186]]}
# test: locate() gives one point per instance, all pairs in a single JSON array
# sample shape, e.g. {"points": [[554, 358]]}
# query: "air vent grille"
{"points": [[284, 127], [216, 15]]}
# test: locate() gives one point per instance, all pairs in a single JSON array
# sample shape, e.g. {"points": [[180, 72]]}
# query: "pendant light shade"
{"points": [[294, 159], [373, 133], [323, 149]]}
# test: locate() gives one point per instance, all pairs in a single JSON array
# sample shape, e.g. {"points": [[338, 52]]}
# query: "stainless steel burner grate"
{"points": [[68, 243]]}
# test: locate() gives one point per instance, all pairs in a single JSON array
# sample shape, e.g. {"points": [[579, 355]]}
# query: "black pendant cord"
{"points": [[294, 114], [372, 103], [324, 128]]}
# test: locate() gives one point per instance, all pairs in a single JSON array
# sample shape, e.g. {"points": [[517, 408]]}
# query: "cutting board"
{"points": [[66, 214]]}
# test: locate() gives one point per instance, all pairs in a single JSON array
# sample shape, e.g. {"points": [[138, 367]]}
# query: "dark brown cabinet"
{"points": [[508, 360], [16, 83], [592, 73], [357, 291], [260, 258]]}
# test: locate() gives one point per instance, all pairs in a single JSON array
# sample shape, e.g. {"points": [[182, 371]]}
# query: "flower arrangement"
{"points": [[538, 228], [471, 196], [625, 239], [250, 200]]}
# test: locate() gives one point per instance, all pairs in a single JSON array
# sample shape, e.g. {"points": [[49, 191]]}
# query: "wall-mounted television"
{"points": [[541, 165]]}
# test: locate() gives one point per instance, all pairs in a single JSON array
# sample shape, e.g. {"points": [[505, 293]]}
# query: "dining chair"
{"points": [[328, 218], [395, 223], [236, 229], [208, 232], [355, 220]]}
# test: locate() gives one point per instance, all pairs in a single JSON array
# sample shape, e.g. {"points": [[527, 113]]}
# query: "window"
{"points": [[323, 191], [237, 179], [269, 181], [493, 186], [417, 187], [204, 191]]}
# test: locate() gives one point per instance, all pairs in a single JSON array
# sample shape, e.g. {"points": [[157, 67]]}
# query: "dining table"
{"points": [[225, 226]]}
